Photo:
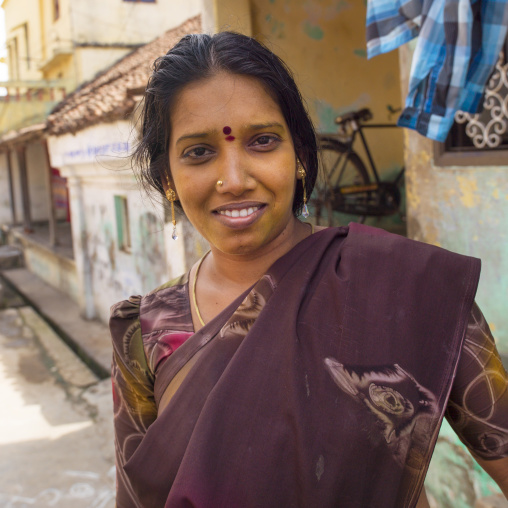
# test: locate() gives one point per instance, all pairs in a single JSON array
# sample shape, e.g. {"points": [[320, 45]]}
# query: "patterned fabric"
{"points": [[391, 23], [136, 361], [397, 403], [478, 402], [457, 48]]}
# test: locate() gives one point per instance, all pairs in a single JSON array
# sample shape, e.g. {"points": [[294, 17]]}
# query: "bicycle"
{"points": [[345, 186]]}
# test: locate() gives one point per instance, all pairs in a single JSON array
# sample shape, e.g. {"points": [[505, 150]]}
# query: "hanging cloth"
{"points": [[457, 48]]}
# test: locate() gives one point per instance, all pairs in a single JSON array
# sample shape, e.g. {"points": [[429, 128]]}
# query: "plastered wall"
{"points": [[463, 209], [96, 173], [37, 170], [323, 42], [88, 35], [5, 200]]}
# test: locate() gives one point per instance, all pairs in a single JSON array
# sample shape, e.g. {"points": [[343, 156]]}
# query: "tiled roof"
{"points": [[106, 98]]}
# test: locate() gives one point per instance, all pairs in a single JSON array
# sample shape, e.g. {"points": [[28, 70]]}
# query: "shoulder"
{"points": [[135, 320], [380, 242]]}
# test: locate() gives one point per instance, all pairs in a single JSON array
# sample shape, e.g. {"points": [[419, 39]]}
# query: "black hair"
{"points": [[200, 56]]}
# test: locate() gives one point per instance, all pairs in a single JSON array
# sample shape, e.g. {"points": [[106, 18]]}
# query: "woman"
{"points": [[290, 367]]}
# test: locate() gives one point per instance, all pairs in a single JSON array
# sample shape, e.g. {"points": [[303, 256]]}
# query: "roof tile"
{"points": [[106, 97]]}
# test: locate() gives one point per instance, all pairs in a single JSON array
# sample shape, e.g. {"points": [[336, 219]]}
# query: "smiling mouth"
{"points": [[240, 212]]}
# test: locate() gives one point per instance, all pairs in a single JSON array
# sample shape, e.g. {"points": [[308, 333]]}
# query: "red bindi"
{"points": [[227, 130]]}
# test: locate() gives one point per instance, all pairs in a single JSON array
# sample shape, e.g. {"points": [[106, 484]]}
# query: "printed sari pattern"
{"points": [[399, 406]]}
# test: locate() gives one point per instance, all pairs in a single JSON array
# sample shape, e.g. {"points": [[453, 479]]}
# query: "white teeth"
{"points": [[244, 212]]}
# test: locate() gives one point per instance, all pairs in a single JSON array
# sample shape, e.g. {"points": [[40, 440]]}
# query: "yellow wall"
{"points": [[17, 13], [88, 36], [323, 42]]}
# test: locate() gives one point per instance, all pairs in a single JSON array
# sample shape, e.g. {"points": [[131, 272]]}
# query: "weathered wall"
{"points": [[18, 12], [463, 209], [88, 34], [59, 271], [323, 42], [16, 181], [37, 170], [97, 172], [5, 200], [110, 22]]}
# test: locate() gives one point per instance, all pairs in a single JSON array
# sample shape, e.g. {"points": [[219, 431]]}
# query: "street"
{"points": [[56, 436]]}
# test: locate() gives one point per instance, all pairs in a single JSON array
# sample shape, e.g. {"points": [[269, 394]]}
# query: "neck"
{"points": [[244, 270]]}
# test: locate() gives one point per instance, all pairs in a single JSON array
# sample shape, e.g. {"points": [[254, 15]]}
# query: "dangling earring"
{"points": [[302, 174], [171, 196]]}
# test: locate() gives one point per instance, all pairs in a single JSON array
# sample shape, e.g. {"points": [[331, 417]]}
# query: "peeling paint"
{"points": [[495, 193], [313, 31], [361, 52], [468, 188], [277, 28]]}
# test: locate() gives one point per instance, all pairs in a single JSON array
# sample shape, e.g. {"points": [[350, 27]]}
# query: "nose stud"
{"points": [[219, 183]]}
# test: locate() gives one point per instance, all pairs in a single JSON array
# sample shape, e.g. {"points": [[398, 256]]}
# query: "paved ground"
{"points": [[56, 436]]}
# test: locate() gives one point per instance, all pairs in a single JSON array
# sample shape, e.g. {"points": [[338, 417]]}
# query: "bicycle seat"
{"points": [[361, 115]]}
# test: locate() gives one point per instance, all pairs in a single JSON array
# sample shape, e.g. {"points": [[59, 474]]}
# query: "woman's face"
{"points": [[229, 129]]}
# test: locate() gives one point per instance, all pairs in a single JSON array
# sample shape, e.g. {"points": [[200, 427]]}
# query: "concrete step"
{"points": [[10, 257]]}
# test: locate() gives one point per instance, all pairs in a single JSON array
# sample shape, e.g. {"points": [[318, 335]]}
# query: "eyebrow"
{"points": [[196, 135], [257, 126]]}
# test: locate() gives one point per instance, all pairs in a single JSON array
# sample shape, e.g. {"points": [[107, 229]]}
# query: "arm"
{"points": [[133, 402], [498, 471], [478, 405]]}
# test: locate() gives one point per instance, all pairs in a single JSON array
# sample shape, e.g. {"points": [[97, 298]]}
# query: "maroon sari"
{"points": [[324, 385]]}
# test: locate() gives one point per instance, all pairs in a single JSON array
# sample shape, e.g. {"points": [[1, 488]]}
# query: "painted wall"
{"points": [[17, 13], [56, 270], [96, 172], [37, 169], [463, 209], [5, 201], [323, 42], [69, 47], [16, 180]]}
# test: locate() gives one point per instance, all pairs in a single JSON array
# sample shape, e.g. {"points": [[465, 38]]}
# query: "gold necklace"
{"points": [[194, 299]]}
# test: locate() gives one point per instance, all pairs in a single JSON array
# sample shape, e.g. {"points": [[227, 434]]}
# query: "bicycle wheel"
{"points": [[338, 167]]}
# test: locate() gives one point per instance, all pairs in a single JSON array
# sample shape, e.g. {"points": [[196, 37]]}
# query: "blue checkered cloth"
{"points": [[457, 48]]}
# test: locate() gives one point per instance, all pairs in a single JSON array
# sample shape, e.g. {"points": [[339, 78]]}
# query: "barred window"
{"points": [[481, 138]]}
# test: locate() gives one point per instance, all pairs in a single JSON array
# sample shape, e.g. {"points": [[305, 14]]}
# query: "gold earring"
{"points": [[302, 174], [171, 196]]}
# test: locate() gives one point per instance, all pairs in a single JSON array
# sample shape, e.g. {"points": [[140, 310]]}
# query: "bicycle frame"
{"points": [[358, 129]]}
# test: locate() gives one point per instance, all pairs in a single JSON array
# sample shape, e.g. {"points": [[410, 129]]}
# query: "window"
{"points": [[27, 45], [481, 138], [122, 224], [56, 9]]}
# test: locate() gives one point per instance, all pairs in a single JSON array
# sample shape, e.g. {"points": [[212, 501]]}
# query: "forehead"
{"points": [[223, 100]]}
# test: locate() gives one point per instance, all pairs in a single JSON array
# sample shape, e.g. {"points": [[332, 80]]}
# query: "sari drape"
{"points": [[323, 385]]}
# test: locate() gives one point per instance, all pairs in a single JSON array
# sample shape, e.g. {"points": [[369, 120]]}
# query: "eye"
{"points": [[266, 141], [198, 152]]}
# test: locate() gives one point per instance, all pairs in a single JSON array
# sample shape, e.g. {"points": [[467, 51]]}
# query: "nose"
{"points": [[234, 173]]}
